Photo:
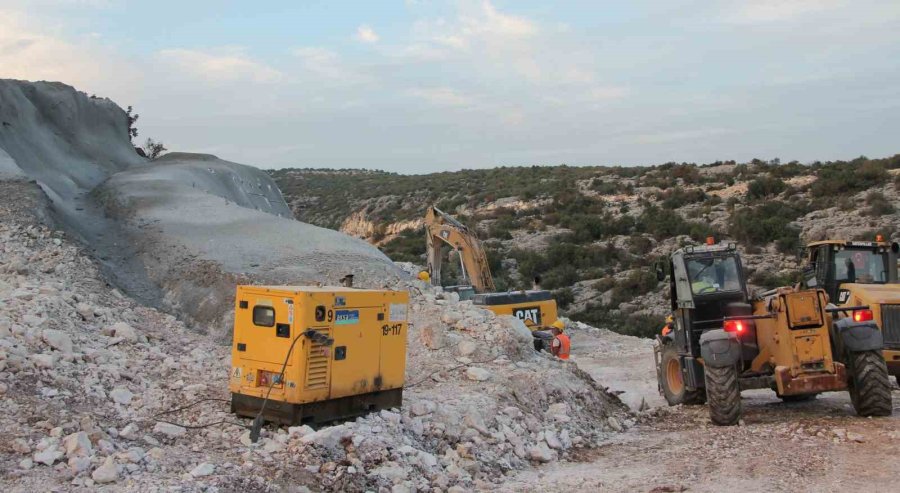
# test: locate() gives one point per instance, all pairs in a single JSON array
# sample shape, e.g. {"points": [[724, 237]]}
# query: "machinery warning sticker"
{"points": [[346, 317], [398, 312]]}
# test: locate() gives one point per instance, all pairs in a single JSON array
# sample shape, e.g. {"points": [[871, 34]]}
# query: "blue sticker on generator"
{"points": [[346, 317]]}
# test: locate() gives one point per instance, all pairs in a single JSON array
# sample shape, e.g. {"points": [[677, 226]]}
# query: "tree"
{"points": [[132, 119], [153, 149]]}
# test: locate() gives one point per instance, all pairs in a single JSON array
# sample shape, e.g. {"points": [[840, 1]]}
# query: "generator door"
{"points": [[264, 328], [356, 351]]}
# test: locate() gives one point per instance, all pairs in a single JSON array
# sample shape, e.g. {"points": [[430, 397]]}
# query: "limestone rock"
{"points": [[123, 330], [108, 472], [202, 470], [121, 395], [58, 340], [477, 374], [169, 430], [78, 445]]}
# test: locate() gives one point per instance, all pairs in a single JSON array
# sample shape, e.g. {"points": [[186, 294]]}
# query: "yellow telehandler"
{"points": [[788, 339]]}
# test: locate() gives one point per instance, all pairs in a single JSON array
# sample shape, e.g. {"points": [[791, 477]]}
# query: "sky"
{"points": [[418, 86]]}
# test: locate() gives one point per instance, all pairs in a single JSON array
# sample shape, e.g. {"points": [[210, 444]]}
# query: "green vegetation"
{"points": [[770, 280], [766, 223], [878, 204], [589, 236], [765, 187], [843, 178]]}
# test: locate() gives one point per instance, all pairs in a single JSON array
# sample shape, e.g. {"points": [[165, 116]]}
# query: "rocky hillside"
{"points": [[591, 232]]}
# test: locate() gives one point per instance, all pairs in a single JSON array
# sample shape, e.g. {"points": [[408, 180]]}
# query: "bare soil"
{"points": [[820, 445]]}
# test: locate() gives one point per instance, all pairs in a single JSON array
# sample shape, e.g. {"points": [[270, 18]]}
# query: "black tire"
{"points": [[797, 398], [675, 391], [723, 394], [870, 387]]}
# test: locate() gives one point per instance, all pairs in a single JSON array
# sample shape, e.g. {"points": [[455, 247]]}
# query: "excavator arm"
{"points": [[442, 228]]}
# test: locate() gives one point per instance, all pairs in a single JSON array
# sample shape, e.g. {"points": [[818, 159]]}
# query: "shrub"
{"points": [[408, 246], [679, 197], [765, 186], [769, 280], [638, 282], [766, 223], [878, 204], [153, 149], [131, 119], [842, 178], [633, 325], [564, 297], [559, 277]]}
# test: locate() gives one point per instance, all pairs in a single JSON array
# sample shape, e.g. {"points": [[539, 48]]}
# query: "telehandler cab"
{"points": [[721, 342], [861, 273]]}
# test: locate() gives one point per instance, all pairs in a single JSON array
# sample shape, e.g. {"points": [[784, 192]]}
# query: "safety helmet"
{"points": [[423, 275], [669, 319], [559, 324]]}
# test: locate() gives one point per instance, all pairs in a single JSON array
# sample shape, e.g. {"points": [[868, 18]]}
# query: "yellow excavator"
{"points": [[536, 308]]}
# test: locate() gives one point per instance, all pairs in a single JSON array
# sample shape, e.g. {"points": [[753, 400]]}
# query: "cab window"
{"points": [[712, 275], [860, 266], [264, 316]]}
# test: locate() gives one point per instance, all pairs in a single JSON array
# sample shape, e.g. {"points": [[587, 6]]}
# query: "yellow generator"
{"points": [[306, 354]]}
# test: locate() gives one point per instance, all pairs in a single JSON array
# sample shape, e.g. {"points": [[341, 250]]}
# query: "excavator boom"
{"points": [[442, 228]]}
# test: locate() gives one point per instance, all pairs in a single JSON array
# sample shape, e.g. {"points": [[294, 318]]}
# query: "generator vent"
{"points": [[317, 363]]}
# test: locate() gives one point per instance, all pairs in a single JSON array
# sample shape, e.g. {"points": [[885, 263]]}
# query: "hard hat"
{"points": [[669, 319], [559, 324], [423, 275]]}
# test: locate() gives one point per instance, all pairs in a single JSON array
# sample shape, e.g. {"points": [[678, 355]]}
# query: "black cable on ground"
{"points": [[258, 421]]}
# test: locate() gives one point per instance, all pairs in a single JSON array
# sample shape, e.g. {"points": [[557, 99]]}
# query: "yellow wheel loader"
{"points": [[722, 341], [536, 308], [857, 273]]}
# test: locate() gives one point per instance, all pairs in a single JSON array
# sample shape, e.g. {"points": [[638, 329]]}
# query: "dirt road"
{"points": [[813, 446]]}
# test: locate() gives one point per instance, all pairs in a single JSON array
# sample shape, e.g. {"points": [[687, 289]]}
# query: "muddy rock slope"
{"points": [[177, 232]]}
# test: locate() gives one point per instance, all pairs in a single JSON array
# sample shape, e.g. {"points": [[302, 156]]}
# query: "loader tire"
{"points": [[723, 395], [870, 387], [671, 381]]}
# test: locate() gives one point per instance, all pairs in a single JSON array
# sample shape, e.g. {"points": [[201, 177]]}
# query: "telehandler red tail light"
{"points": [[734, 326], [862, 315]]}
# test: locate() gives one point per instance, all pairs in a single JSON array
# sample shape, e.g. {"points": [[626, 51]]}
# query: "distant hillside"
{"points": [[592, 232]]}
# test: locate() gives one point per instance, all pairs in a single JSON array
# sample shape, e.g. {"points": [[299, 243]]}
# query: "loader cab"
{"points": [[706, 284], [705, 280], [833, 263]]}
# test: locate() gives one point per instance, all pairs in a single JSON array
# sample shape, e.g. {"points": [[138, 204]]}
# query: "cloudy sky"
{"points": [[420, 85]]}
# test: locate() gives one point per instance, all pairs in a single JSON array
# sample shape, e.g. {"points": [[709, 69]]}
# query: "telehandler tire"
{"points": [[870, 387], [672, 383], [723, 395]]}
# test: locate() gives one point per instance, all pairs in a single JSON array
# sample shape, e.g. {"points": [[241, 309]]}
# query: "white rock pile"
{"points": [[84, 372]]}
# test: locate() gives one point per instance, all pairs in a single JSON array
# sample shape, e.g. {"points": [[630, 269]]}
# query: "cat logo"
{"points": [[843, 296], [530, 315]]}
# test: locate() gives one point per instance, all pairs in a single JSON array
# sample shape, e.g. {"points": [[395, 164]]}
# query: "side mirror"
{"points": [[660, 272]]}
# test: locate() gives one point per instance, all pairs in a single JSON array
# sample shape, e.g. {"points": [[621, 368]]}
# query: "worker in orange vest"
{"points": [[561, 344]]}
